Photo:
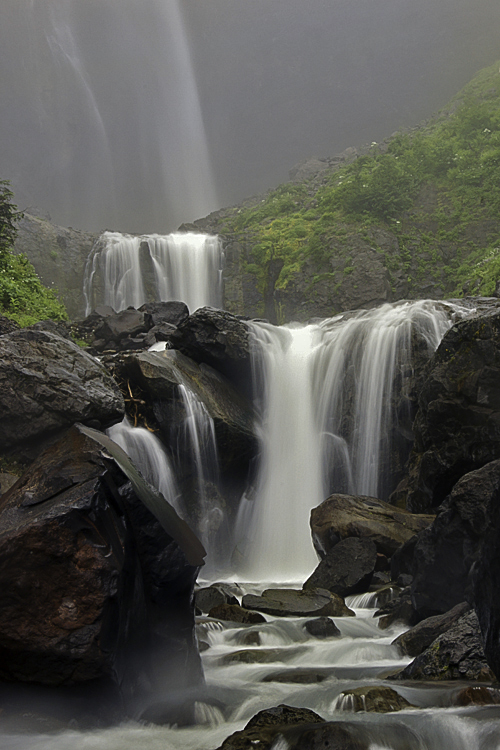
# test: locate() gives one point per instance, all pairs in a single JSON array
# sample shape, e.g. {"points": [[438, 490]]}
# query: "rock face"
{"points": [[59, 256], [46, 384], [283, 602], [445, 552], [457, 654], [346, 569], [457, 427], [342, 516], [91, 586]]}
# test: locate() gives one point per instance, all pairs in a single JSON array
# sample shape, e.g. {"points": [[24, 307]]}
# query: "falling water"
{"points": [[149, 456], [198, 440], [327, 423], [124, 270]]}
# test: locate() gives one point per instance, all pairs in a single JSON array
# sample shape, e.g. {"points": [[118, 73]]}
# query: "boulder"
{"points": [[378, 699], [216, 338], [46, 384], [457, 427], [264, 727], [84, 565], [212, 596], [342, 516], [322, 627], [418, 638], [445, 552], [399, 609], [235, 613], [172, 312], [347, 568], [293, 603], [456, 654]]}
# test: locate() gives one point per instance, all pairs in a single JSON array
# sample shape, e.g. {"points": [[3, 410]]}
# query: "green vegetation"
{"points": [[23, 297], [435, 189]]}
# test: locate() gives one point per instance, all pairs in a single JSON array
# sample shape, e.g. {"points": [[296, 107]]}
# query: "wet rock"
{"points": [[457, 427], [342, 516], [445, 552], [83, 566], [7, 481], [46, 384], [7, 325], [172, 312], [477, 695], [418, 638], [216, 338], [125, 324], [399, 609], [331, 735], [259, 656], [378, 699], [293, 603], [322, 627], [252, 638], [264, 727], [456, 654], [296, 676], [235, 613], [347, 568], [212, 596]]}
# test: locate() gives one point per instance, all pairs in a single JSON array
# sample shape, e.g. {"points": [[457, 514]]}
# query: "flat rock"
{"points": [[208, 597], [342, 516], [293, 603], [235, 613], [347, 568], [374, 699]]}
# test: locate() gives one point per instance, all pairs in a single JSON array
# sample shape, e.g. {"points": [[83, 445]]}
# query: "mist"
{"points": [[137, 115]]}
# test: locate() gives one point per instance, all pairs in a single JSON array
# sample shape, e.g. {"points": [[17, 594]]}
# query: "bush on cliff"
{"points": [[23, 297]]}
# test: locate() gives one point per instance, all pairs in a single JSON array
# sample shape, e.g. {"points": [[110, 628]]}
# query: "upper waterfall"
{"points": [[124, 270]]}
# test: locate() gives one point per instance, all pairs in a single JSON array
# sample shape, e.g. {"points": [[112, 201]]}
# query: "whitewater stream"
{"points": [[253, 667]]}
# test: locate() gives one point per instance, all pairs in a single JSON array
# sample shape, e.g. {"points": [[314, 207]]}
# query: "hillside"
{"points": [[415, 216]]}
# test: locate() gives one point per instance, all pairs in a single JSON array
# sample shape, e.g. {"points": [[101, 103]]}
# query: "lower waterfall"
{"points": [[328, 423]]}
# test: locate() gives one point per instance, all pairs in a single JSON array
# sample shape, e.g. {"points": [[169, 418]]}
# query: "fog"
{"points": [[137, 115]]}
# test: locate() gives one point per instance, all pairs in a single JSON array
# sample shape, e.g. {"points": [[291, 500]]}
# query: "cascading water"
{"points": [[327, 423], [197, 439], [124, 270], [149, 456]]}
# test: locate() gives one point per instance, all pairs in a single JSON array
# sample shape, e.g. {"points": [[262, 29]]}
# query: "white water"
{"points": [[186, 267], [324, 397], [148, 455]]}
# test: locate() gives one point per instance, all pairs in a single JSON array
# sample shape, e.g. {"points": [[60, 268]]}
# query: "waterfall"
{"points": [[148, 455], [325, 395], [124, 270]]}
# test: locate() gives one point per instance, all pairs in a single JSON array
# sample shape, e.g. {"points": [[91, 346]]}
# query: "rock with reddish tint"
{"points": [[83, 566]]}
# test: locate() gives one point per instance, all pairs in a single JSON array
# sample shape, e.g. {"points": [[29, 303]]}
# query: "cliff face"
{"points": [[59, 255]]}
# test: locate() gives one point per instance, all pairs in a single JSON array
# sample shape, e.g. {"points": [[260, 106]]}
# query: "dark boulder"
{"points": [[46, 384], [172, 312], [91, 586], [399, 609], [457, 427], [265, 726], [342, 516], [293, 603], [456, 654], [235, 613], [347, 568], [445, 552], [322, 627], [418, 638], [216, 338], [212, 596]]}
